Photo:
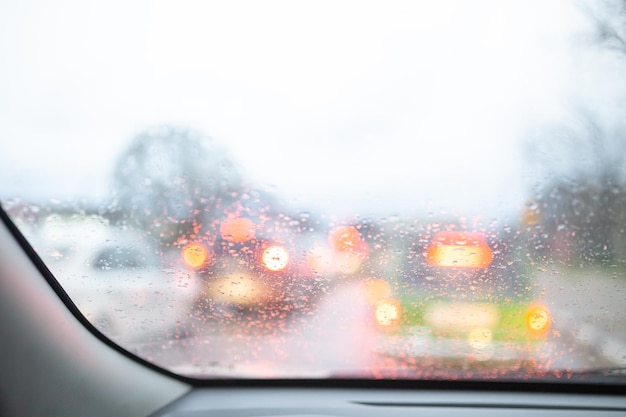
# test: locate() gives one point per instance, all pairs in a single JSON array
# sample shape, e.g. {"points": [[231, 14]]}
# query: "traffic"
{"points": [[426, 293]]}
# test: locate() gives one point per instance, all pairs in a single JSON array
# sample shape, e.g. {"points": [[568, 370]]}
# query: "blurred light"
{"points": [[195, 255], [376, 290], [531, 215], [321, 260], [461, 315], [538, 320], [238, 288], [275, 258], [459, 250], [348, 262], [387, 313], [480, 337], [344, 238], [238, 230]]}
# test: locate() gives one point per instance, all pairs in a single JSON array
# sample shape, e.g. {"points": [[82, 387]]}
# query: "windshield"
{"points": [[327, 189]]}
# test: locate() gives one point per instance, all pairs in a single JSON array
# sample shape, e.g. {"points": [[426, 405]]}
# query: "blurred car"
{"points": [[251, 267], [46, 359], [463, 310], [403, 112], [114, 279]]}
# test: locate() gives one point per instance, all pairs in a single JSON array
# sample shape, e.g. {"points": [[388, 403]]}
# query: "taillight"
{"points": [[195, 255], [350, 250], [238, 230], [387, 313], [343, 238], [538, 320], [459, 250]]}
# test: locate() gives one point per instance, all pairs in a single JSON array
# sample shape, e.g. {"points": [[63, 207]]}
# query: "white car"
{"points": [[116, 280]]}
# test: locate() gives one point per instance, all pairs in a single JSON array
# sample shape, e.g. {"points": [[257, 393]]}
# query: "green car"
{"points": [[464, 309]]}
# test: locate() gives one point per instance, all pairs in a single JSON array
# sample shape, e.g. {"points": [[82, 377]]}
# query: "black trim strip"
{"points": [[562, 407], [65, 298]]}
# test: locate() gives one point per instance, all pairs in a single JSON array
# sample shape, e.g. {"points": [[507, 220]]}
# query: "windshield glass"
{"points": [[327, 189]]}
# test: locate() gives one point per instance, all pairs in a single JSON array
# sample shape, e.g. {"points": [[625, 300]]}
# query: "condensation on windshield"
{"points": [[396, 190]]}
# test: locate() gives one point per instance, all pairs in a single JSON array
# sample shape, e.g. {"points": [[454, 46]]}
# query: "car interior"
{"points": [[318, 208]]}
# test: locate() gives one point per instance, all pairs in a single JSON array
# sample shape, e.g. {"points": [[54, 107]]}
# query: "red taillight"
{"points": [[459, 250], [238, 230]]}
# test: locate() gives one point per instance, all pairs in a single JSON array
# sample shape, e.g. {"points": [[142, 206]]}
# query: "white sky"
{"points": [[370, 106]]}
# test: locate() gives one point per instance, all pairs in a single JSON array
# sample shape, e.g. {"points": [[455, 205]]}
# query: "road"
{"points": [[588, 309], [332, 337], [589, 331]]}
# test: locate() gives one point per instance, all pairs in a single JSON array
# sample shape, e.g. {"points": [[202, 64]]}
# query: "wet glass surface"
{"points": [[361, 190]]}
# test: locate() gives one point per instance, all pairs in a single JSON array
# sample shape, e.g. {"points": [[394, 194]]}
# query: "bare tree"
{"points": [[581, 150], [609, 21], [171, 179], [580, 186], [579, 165]]}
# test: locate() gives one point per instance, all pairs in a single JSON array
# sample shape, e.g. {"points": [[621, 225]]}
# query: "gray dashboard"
{"points": [[309, 402]]}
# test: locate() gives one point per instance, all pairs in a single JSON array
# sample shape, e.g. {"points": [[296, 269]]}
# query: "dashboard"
{"points": [[266, 402]]}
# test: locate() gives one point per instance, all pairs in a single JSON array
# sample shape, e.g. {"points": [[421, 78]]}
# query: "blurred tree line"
{"points": [[578, 211], [173, 182]]}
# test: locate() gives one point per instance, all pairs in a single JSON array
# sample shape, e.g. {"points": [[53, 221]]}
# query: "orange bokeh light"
{"points": [[195, 255], [238, 230], [459, 250], [344, 238], [538, 320]]}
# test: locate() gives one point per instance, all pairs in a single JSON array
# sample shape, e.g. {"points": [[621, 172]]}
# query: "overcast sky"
{"points": [[345, 105]]}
